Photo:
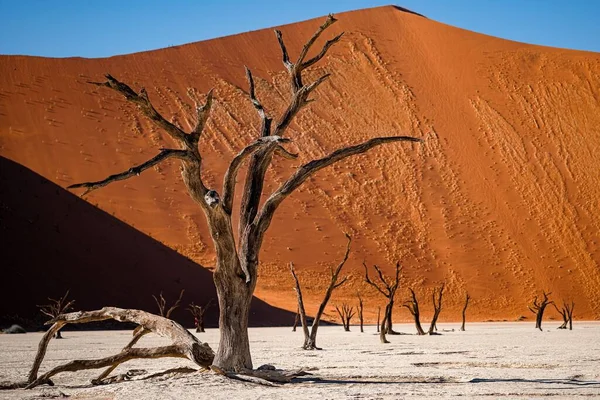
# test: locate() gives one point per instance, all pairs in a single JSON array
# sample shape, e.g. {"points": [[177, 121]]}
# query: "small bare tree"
{"points": [[413, 307], [464, 312], [310, 338], [296, 320], [346, 313], [388, 289], [538, 307], [237, 257], [378, 316], [198, 314], [56, 308], [566, 311], [437, 308], [360, 311]]}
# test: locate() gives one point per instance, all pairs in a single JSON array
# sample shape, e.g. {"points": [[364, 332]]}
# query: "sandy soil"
{"points": [[501, 200], [489, 360]]}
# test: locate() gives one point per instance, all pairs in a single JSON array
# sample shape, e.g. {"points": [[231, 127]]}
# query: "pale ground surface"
{"points": [[489, 360]]}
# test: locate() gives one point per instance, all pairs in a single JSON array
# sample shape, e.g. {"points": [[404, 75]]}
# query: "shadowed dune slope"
{"points": [[501, 199], [53, 241]]}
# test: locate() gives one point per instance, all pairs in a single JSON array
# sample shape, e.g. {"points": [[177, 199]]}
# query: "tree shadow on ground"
{"points": [[573, 382]]}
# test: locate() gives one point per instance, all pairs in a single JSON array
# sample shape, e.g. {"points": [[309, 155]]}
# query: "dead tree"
{"points": [[538, 308], [57, 307], [237, 261], [387, 289], [346, 313], [296, 320], [566, 311], [140, 332], [437, 308], [464, 312], [310, 338], [198, 314], [183, 344], [360, 312], [378, 316], [413, 307]]}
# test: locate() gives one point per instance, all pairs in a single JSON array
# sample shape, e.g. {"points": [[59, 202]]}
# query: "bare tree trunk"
{"points": [[383, 328], [360, 312], [538, 308], [388, 290], [567, 315], [437, 308], [413, 306], [346, 313], [378, 315], [296, 320], [464, 312], [310, 339]]}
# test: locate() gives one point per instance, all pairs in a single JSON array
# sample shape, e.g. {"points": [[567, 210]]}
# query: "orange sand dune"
{"points": [[499, 200]]}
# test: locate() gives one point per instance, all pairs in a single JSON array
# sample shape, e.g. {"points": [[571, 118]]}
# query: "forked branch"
{"points": [[309, 169]]}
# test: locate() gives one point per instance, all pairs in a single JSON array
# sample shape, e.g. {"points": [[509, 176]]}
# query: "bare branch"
{"points": [[203, 111], [144, 104], [308, 169], [280, 150], [370, 282], [328, 22], [265, 128], [319, 56], [230, 176], [133, 171], [284, 53]]}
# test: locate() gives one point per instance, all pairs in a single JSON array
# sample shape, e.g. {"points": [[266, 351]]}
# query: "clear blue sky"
{"points": [[92, 28]]}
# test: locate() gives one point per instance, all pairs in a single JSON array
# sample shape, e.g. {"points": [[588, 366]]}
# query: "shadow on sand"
{"points": [[53, 241]]}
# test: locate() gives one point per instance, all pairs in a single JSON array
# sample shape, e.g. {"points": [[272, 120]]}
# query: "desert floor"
{"points": [[489, 360]]}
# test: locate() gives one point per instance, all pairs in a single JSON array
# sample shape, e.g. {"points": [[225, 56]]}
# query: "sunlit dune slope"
{"points": [[501, 199]]}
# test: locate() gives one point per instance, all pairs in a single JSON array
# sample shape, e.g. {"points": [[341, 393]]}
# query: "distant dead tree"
{"points": [[378, 316], [566, 311], [346, 313], [538, 307], [464, 312], [388, 289], [437, 308], [198, 314], [140, 332], [57, 307], [237, 261], [161, 303], [413, 307], [360, 312], [296, 320], [310, 338]]}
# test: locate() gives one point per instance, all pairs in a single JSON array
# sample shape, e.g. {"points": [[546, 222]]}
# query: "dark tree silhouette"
{"points": [[360, 311], [388, 289], [413, 307], [310, 338], [346, 313], [538, 307], [437, 308], [198, 314], [566, 311], [464, 312], [57, 307]]}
